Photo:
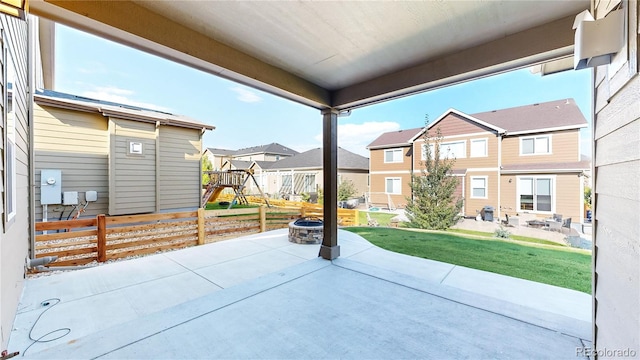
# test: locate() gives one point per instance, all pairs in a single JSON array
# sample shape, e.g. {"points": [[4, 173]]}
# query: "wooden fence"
{"points": [[78, 242]]}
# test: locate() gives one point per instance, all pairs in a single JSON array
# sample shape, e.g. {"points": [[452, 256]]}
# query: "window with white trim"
{"points": [[309, 183], [451, 150], [393, 185], [535, 145], [286, 182], [9, 139], [478, 148], [536, 193], [393, 156], [479, 187]]}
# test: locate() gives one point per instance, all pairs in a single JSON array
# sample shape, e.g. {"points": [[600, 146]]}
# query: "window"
{"points": [[286, 188], [479, 187], [457, 149], [309, 183], [393, 156], [478, 148], [535, 145], [536, 193], [393, 186], [454, 149], [10, 139]]}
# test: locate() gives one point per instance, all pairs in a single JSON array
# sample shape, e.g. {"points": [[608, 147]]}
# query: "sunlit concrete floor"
{"points": [[261, 296]]}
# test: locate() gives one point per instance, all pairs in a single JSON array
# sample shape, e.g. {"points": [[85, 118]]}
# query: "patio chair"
{"points": [[567, 223], [557, 217]]}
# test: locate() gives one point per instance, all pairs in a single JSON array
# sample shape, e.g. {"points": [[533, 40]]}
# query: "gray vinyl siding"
{"points": [[14, 244], [616, 226], [180, 151], [132, 177], [77, 144]]}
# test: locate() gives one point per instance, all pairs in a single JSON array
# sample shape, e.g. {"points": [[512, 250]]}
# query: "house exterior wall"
{"points": [[565, 147], [179, 160], [616, 229], [14, 237], [474, 204], [566, 191], [132, 177], [379, 171], [76, 143]]}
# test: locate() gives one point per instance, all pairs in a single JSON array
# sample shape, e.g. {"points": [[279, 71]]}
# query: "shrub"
{"points": [[502, 233]]}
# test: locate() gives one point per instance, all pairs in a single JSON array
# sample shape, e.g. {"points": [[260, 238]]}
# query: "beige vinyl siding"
{"points": [[132, 186], [472, 206], [565, 147], [378, 164], [616, 227], [179, 168], [490, 161], [378, 189], [569, 200], [77, 144], [360, 180], [14, 244]]}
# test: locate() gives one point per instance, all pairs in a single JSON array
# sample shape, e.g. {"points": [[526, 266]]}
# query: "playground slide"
{"points": [[214, 195]]}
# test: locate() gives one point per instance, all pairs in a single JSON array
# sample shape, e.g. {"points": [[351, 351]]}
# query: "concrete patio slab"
{"points": [[262, 297]]}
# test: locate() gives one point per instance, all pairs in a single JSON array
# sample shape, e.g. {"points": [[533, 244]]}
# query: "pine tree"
{"points": [[433, 204]]}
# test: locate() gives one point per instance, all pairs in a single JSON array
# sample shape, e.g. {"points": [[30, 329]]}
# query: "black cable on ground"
{"points": [[49, 305]]}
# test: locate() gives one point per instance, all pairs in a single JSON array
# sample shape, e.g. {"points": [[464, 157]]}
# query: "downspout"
{"points": [[499, 175], [157, 166], [30, 145]]}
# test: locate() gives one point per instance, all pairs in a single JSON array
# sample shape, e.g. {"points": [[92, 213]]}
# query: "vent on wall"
{"points": [[135, 148]]}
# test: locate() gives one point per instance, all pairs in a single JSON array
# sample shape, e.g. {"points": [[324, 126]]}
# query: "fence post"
{"points": [[102, 238], [356, 220], [263, 218], [201, 233], [303, 212]]}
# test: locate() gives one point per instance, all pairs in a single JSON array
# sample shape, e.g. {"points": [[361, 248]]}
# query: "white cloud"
{"points": [[356, 137], [246, 95], [121, 96]]}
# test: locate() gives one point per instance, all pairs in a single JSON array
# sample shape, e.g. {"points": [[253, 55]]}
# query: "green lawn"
{"points": [[512, 237], [382, 218], [562, 267]]}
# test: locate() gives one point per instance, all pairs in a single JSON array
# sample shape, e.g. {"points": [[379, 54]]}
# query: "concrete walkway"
{"points": [[262, 297]]}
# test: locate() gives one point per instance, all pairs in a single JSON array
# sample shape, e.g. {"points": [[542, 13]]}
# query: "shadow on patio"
{"points": [[262, 297]]}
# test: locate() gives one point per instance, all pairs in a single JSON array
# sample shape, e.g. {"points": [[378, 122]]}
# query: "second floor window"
{"points": [[393, 156], [451, 150], [535, 145], [479, 148]]}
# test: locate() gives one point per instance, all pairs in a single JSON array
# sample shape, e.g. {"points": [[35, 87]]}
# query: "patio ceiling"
{"points": [[340, 54]]}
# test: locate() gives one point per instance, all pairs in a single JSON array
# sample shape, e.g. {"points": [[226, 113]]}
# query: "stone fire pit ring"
{"points": [[306, 231]]}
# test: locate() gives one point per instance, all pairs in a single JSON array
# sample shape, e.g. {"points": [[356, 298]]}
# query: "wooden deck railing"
{"points": [[78, 242]]}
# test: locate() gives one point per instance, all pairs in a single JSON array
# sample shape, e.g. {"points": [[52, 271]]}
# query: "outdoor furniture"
{"points": [[553, 225], [537, 224]]}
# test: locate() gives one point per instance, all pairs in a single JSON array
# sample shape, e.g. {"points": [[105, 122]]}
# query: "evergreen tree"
{"points": [[433, 204], [206, 165]]}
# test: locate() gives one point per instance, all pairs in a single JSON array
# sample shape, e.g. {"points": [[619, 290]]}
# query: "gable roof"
{"points": [[539, 117], [312, 159], [109, 108], [273, 148], [395, 138], [218, 151]]}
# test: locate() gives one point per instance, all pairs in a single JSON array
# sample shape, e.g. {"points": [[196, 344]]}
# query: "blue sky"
{"points": [[93, 67]]}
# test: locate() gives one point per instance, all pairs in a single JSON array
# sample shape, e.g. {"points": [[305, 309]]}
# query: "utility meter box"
{"points": [[70, 198], [50, 187], [91, 195]]}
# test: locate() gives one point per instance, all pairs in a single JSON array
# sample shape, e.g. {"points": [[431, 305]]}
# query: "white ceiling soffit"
{"points": [[340, 54]]}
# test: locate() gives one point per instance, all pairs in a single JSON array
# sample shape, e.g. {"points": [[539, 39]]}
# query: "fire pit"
{"points": [[306, 231]]}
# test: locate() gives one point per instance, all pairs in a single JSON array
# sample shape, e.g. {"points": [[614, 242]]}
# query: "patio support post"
{"points": [[330, 248]]}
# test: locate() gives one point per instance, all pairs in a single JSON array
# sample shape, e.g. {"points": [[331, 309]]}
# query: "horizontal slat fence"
{"points": [[79, 242]]}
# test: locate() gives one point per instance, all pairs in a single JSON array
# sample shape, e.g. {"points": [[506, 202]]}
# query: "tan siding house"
{"points": [[518, 160], [15, 225], [137, 160]]}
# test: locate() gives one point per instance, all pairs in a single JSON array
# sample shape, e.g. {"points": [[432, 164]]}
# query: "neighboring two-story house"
{"points": [[518, 160]]}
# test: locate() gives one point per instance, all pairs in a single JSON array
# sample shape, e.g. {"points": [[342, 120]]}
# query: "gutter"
{"points": [[30, 145]]}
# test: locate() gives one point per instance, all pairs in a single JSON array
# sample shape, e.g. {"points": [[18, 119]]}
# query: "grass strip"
{"points": [[560, 267]]}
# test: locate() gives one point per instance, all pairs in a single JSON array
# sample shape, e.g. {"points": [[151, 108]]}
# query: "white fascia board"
{"points": [[545, 130], [460, 113]]}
